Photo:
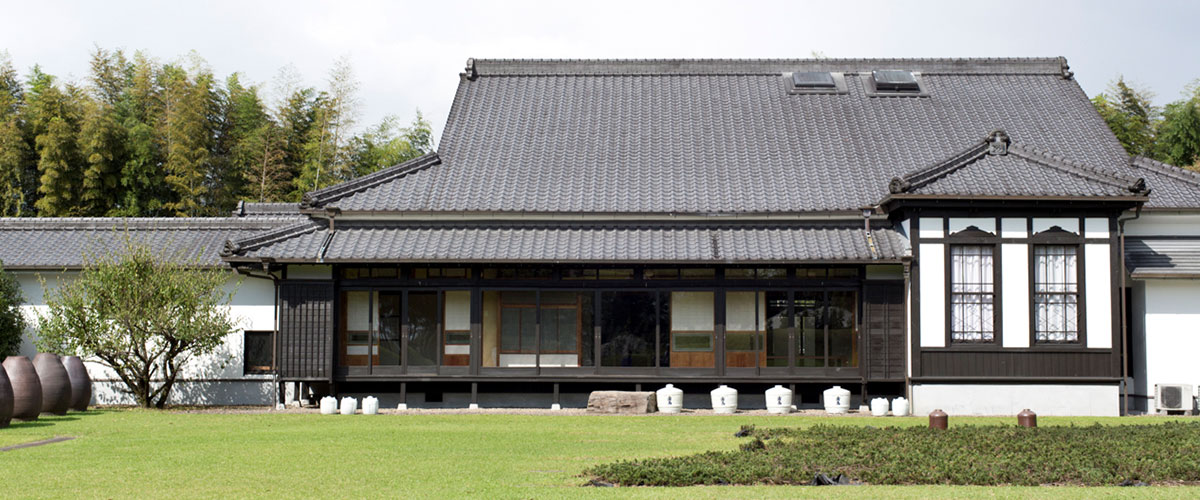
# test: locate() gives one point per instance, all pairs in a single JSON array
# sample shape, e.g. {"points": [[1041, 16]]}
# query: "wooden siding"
{"points": [[883, 305], [306, 329], [1017, 364]]}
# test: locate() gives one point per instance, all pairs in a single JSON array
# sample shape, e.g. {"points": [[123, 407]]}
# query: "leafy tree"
{"points": [[327, 155], [188, 135], [12, 322], [16, 187], [102, 146], [140, 313], [58, 161], [1178, 138], [144, 138], [1130, 115], [387, 144]]}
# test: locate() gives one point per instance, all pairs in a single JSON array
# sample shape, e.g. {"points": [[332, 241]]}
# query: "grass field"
{"points": [[134, 453]]}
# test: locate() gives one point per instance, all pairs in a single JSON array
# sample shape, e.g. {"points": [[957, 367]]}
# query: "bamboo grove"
{"points": [[138, 137]]}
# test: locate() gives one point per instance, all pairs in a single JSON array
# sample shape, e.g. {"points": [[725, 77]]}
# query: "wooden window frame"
{"points": [[247, 368], [972, 238]]}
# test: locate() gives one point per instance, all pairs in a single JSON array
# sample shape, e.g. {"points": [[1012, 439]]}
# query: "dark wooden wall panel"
{"points": [[883, 305], [306, 327], [1016, 364]]}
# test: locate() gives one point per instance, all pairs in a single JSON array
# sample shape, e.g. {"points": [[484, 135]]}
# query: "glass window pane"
{"points": [[422, 328], [615, 274], [579, 274], [661, 274], [688, 342], [257, 352], [745, 314], [698, 273], [528, 330], [843, 328], [810, 328], [972, 293], [627, 329], [777, 326], [691, 317], [736, 273], [1056, 289], [510, 329], [387, 352], [770, 273]]}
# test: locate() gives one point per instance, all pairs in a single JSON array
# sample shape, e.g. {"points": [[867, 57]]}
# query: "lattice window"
{"points": [[972, 293], [1055, 293]]}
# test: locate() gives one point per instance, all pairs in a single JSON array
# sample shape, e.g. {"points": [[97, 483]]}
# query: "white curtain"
{"points": [[972, 293], [1056, 290]]}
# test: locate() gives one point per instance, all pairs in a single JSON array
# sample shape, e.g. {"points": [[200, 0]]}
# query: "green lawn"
{"points": [[171, 454]]}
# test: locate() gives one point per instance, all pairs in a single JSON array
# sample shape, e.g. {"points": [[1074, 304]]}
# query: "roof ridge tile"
{"points": [[320, 197], [1167, 169]]}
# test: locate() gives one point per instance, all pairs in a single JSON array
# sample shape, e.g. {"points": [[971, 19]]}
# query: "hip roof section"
{"points": [[726, 136]]}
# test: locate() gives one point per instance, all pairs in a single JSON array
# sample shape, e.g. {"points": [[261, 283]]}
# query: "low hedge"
{"points": [[962, 455]]}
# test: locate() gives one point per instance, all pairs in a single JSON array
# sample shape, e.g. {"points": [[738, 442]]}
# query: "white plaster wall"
{"points": [[1153, 224], [933, 294], [1095, 227], [1010, 399], [1098, 294], [931, 227], [215, 379], [1014, 227], [1171, 350], [1014, 289]]}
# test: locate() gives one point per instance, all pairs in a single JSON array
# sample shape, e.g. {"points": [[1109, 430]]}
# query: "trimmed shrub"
{"points": [[962, 455]]}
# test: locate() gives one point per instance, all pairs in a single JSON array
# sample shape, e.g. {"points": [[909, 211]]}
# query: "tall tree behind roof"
{"points": [[16, 161], [54, 116], [1178, 137], [1128, 112], [187, 133]]}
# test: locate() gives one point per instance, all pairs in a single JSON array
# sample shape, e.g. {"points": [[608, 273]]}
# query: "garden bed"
{"points": [[1167, 453]]}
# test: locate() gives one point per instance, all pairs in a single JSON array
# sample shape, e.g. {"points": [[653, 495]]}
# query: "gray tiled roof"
{"points": [[1173, 187], [1162, 258], [722, 136], [259, 209], [997, 167], [65, 243], [576, 243]]}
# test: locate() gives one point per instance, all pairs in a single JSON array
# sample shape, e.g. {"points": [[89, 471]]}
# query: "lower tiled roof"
{"points": [[1163, 258], [67, 243], [373, 242]]}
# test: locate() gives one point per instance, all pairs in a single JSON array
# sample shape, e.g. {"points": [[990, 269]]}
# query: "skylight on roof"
{"points": [[895, 80], [813, 80]]}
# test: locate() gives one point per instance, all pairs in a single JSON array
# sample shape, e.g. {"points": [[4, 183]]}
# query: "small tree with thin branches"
{"points": [[140, 313]]}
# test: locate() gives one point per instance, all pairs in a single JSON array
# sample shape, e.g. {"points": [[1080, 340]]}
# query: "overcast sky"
{"points": [[408, 55]]}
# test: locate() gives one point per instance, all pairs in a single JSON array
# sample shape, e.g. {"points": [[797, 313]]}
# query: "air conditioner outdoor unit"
{"points": [[1173, 397]]}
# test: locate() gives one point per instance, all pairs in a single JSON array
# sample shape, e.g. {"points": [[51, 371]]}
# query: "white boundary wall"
{"points": [[216, 379], [1010, 399], [1170, 337]]}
